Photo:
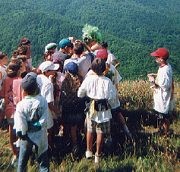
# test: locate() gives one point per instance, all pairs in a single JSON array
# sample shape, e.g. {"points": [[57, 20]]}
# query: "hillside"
{"points": [[133, 28]]}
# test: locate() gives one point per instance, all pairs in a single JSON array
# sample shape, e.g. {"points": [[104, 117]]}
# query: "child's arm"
{"points": [[20, 122], [44, 117]]}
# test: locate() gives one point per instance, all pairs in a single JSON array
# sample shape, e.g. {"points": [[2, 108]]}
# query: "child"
{"points": [[72, 106], [13, 72], [162, 83], [115, 77], [3, 74], [101, 91], [44, 80], [30, 122]]}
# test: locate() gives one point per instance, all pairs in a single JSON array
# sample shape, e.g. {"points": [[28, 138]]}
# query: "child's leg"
{"points": [[101, 129], [12, 139], [122, 121], [89, 141], [43, 161], [99, 143], [89, 138], [166, 125], [24, 153], [74, 134]]}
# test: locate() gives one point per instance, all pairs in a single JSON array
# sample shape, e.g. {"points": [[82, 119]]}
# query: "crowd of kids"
{"points": [[73, 91]]}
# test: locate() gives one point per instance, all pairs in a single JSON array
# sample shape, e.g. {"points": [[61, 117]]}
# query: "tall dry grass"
{"points": [[157, 154]]}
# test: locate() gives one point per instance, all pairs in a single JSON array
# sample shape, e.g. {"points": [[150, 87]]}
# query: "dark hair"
{"points": [[24, 41], [22, 57], [78, 48], [22, 50], [87, 40], [98, 66], [104, 44], [16, 60], [71, 45], [13, 69], [2, 55]]}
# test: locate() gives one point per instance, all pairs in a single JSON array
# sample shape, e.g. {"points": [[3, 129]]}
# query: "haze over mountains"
{"points": [[132, 28]]}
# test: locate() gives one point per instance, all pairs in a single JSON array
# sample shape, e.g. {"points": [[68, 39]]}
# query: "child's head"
{"points": [[48, 68], [13, 69], [161, 53], [3, 58], [78, 48], [98, 66], [72, 68], [29, 84], [102, 54]]}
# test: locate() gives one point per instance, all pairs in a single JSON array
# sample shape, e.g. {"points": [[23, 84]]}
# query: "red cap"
{"points": [[161, 53], [102, 53]]}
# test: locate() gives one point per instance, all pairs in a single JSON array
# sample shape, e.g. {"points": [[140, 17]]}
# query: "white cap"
{"points": [[48, 65]]}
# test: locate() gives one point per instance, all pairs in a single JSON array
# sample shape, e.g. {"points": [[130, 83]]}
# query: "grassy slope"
{"points": [[150, 151]]}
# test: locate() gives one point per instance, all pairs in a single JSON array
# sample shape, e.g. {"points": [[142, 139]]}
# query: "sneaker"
{"points": [[97, 158], [14, 161], [89, 154]]}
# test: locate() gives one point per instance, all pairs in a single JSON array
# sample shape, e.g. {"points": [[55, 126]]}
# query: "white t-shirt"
{"points": [[46, 89], [84, 63], [98, 87], [162, 94], [31, 107]]}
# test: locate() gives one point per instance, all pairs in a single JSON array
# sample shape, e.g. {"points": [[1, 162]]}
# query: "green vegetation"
{"points": [[133, 28]]}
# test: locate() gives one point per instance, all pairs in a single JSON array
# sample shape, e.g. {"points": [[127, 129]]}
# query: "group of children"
{"points": [[74, 85]]}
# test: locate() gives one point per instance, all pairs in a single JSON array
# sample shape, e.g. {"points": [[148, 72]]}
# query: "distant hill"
{"points": [[132, 28]]}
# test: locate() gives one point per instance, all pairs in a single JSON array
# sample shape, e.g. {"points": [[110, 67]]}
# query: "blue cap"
{"points": [[72, 68], [65, 43], [29, 82]]}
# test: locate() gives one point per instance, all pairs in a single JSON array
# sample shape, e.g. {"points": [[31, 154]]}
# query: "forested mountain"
{"points": [[132, 28]]}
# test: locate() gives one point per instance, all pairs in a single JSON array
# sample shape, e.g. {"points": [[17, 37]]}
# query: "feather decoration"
{"points": [[91, 33]]}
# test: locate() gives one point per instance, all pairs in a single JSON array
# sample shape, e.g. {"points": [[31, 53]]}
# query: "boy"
{"points": [[30, 122], [100, 90], [162, 83]]}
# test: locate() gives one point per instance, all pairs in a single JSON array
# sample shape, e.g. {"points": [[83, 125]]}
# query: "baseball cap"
{"points": [[71, 67], [29, 83], [161, 53], [50, 46], [48, 65], [65, 43], [102, 53]]}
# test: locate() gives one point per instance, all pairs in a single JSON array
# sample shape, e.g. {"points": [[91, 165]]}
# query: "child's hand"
{"points": [[151, 79]]}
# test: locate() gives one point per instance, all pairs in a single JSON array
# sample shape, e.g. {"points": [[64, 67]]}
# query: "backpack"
{"points": [[68, 97]]}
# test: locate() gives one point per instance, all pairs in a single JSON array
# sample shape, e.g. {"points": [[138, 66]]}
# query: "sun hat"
{"points": [[65, 43], [48, 65], [161, 53], [102, 53], [29, 83], [71, 67]]}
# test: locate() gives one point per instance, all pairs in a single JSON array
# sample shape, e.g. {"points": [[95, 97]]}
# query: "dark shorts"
{"points": [[10, 121], [115, 112], [73, 118], [163, 116]]}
